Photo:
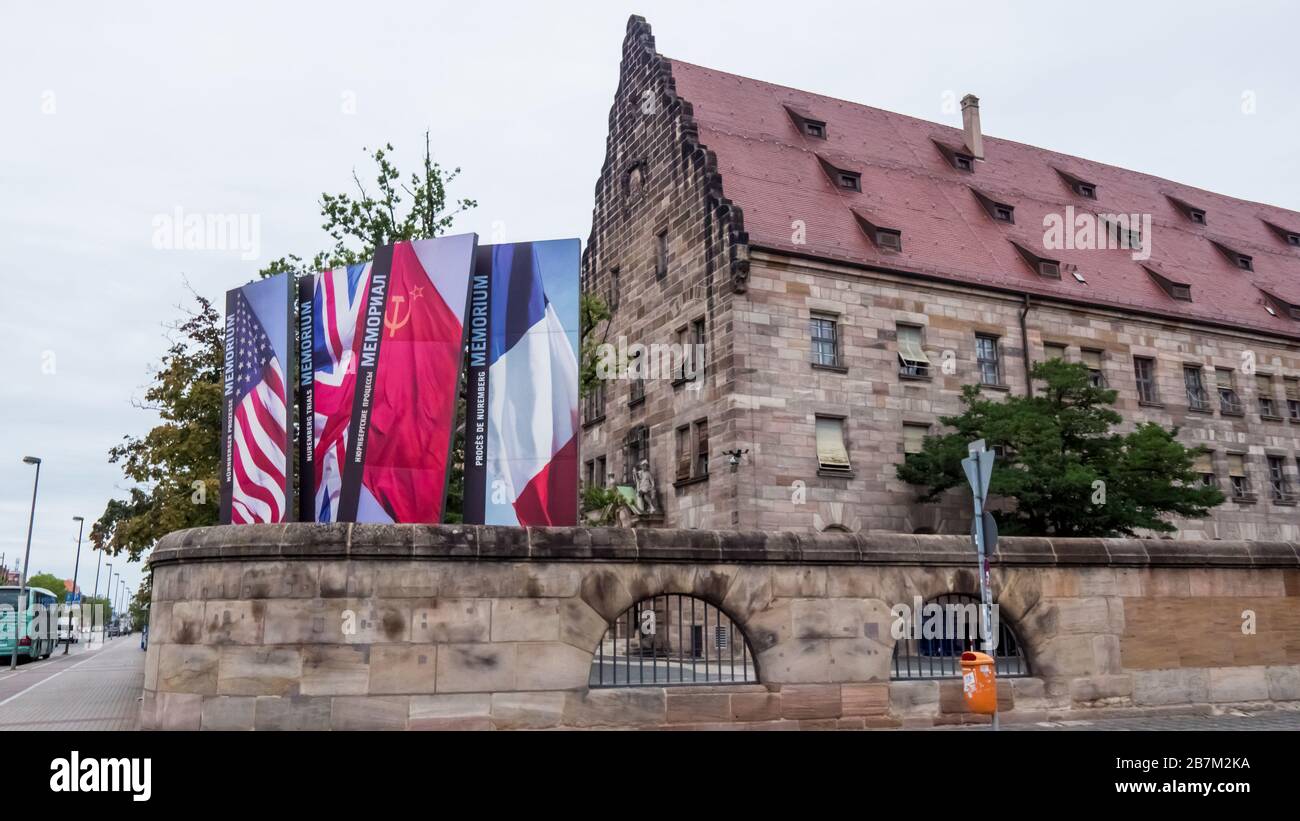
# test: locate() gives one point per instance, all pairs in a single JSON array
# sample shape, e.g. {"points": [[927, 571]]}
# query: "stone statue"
{"points": [[647, 496]]}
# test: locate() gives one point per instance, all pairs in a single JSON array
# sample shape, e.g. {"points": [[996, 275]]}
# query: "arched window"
{"points": [[947, 626], [672, 639]]}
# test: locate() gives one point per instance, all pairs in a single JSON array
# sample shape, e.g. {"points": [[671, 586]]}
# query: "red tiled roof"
{"points": [[772, 171]]}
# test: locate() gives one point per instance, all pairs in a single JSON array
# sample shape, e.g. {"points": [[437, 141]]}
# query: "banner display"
{"points": [[256, 436], [521, 431], [388, 341]]}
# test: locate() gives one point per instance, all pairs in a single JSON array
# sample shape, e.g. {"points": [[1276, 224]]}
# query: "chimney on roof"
{"points": [[970, 121]]}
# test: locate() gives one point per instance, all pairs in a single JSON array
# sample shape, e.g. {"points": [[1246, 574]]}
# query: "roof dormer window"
{"points": [[849, 180], [963, 162], [1000, 211], [886, 239], [1293, 239], [1196, 215], [807, 124], [1078, 185], [1180, 291], [1243, 261], [1048, 268]]}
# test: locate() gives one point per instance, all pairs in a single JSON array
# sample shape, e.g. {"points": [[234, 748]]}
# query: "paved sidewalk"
{"points": [[88, 689], [1262, 720]]}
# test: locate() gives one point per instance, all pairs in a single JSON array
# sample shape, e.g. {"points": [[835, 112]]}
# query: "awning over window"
{"points": [[831, 451], [909, 346], [1236, 465]]}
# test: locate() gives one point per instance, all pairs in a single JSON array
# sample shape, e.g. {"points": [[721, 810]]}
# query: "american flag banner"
{"points": [[256, 482]]}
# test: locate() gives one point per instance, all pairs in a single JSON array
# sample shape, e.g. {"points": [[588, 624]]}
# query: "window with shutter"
{"points": [[832, 453], [1264, 392], [1237, 475], [912, 360], [1093, 360], [702, 448], [914, 438], [683, 452], [1228, 401], [1203, 466]]}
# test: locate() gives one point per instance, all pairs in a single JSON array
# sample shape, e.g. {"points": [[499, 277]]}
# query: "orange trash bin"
{"points": [[979, 682]]}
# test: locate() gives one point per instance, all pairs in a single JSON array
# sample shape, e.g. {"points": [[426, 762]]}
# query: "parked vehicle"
{"points": [[69, 629], [35, 638]]}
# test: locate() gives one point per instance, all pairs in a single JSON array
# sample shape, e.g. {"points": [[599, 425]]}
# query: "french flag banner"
{"points": [[388, 339], [521, 427]]}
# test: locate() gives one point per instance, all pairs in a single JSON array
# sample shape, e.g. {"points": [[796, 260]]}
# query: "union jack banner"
{"points": [[256, 482], [336, 298]]}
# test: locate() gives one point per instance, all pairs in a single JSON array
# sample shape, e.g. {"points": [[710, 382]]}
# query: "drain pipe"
{"points": [[1024, 347]]}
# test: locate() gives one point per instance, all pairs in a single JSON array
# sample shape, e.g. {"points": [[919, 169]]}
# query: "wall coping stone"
{"points": [[660, 545]]}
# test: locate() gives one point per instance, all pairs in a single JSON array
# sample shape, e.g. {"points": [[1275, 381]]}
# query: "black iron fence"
{"points": [[671, 640], [924, 657]]}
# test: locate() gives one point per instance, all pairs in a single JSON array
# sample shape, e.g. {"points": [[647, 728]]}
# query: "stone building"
{"points": [[845, 270]]}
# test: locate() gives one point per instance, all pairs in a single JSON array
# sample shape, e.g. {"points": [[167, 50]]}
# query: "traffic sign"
{"points": [[979, 468], [990, 531]]}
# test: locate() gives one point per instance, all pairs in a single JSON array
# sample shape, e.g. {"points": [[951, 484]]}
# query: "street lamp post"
{"points": [[98, 564], [19, 617], [76, 565], [112, 596], [107, 599]]}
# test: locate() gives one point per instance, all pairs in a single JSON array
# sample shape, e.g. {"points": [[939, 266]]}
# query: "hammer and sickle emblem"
{"points": [[393, 323]]}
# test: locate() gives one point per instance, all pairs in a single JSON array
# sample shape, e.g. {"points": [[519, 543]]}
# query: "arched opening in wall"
{"points": [[671, 640], [836, 528], [947, 626]]}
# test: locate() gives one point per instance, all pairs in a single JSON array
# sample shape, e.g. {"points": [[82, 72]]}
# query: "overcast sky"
{"points": [[113, 114]]}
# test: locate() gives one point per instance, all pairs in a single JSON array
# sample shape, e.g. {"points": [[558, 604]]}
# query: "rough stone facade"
{"points": [[440, 627], [760, 393], [658, 180], [786, 392]]}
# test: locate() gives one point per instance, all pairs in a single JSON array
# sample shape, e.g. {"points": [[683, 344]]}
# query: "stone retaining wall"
{"points": [[439, 627]]}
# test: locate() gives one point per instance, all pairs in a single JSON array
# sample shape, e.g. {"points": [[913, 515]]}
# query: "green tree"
{"points": [[138, 607], [592, 311], [174, 467], [50, 582], [1062, 471]]}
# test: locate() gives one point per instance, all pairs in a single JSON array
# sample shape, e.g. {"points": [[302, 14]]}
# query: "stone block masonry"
{"points": [[307, 626]]}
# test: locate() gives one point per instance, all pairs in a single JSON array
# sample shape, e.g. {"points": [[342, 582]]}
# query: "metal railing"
{"points": [[936, 658], [672, 640]]}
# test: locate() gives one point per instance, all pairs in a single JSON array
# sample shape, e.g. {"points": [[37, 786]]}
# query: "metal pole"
{"points": [[20, 615], [986, 600], [76, 565], [108, 600], [112, 595]]}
